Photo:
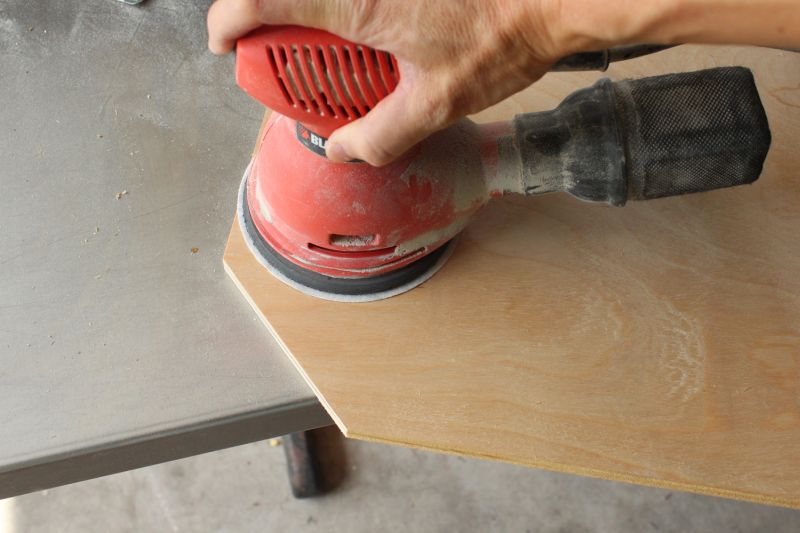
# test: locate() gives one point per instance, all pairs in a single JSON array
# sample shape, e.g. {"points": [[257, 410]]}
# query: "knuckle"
{"points": [[362, 10], [374, 153], [246, 7], [358, 17]]}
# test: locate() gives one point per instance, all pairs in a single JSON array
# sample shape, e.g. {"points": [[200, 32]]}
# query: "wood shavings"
{"points": [[121, 194]]}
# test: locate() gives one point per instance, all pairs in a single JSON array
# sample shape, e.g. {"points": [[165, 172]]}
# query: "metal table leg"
{"points": [[315, 461]]}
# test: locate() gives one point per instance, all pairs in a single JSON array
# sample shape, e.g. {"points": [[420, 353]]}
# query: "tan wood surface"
{"points": [[658, 343]]}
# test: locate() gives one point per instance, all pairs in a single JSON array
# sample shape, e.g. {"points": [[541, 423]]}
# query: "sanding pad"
{"points": [[366, 289]]}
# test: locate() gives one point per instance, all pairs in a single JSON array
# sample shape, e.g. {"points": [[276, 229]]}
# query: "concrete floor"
{"points": [[386, 488]]}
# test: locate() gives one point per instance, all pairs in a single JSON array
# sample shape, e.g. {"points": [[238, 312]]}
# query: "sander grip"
{"points": [[648, 138]]}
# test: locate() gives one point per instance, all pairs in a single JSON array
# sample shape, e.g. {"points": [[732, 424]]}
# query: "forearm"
{"points": [[600, 23]]}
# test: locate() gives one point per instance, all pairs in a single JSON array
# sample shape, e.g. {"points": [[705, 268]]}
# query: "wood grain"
{"points": [[658, 343]]}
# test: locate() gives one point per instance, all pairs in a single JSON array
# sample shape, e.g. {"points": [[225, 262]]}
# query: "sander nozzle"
{"points": [[648, 138]]}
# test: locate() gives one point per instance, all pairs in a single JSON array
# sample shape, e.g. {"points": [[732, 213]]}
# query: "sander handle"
{"points": [[648, 138], [326, 82]]}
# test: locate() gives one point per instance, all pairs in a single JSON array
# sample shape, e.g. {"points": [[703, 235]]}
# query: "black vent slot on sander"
{"points": [[337, 81]]}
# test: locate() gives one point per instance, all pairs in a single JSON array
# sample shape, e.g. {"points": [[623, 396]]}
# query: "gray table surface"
{"points": [[119, 345]]}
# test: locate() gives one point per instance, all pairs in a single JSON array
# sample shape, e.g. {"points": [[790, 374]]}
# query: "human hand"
{"points": [[455, 57], [460, 56]]}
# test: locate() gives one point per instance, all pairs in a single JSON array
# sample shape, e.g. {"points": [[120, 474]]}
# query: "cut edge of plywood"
{"points": [[236, 234], [609, 475], [236, 245]]}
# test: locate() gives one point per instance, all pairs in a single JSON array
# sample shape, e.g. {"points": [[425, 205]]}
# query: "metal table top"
{"points": [[122, 341]]}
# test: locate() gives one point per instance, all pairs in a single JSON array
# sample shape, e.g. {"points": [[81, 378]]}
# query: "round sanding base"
{"points": [[366, 289]]}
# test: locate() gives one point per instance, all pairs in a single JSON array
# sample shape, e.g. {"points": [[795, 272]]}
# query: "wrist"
{"points": [[582, 25]]}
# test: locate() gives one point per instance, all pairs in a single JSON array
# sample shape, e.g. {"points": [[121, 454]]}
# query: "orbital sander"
{"points": [[353, 232]]}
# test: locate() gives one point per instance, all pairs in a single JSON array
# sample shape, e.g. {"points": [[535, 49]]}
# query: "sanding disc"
{"points": [[366, 289]]}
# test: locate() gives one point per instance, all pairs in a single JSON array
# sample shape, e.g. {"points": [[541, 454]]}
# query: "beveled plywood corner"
{"points": [[657, 344]]}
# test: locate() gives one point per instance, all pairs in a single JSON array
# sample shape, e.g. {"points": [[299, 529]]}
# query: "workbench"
{"points": [[122, 342]]}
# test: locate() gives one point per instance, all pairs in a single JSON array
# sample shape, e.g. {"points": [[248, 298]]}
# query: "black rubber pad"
{"points": [[341, 286]]}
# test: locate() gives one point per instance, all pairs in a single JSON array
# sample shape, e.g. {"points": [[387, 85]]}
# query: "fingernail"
{"points": [[337, 153]]}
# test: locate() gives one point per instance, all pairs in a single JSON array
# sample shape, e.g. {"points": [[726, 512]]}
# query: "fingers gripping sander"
{"points": [[353, 232]]}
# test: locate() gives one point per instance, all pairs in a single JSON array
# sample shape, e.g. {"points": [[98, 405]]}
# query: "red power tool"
{"points": [[353, 232]]}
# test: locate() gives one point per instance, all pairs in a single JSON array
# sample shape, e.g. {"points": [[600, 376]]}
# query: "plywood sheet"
{"points": [[658, 343]]}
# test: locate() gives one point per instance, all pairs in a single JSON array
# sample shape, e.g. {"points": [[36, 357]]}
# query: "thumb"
{"points": [[391, 128]]}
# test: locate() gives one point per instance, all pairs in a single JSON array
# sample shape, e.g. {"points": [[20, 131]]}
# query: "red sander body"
{"points": [[353, 232]]}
